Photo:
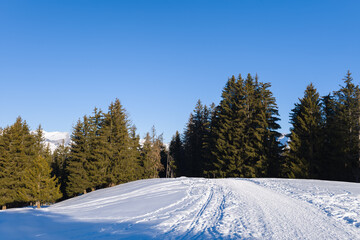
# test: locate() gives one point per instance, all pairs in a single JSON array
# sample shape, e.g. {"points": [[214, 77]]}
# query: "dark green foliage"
{"points": [[105, 151], [238, 138], [304, 156], [178, 155], [97, 159], [16, 150], [244, 128], [194, 139], [77, 177], [164, 160], [24, 166], [227, 130], [135, 155], [122, 163], [58, 165], [271, 149], [39, 186], [325, 135], [347, 130]]}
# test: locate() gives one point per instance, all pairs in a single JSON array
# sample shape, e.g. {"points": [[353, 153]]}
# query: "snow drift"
{"points": [[196, 208]]}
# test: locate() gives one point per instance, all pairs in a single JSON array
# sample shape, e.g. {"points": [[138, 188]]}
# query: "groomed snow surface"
{"points": [[197, 208]]}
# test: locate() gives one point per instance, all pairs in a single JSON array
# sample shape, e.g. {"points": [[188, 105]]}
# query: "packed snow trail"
{"points": [[196, 208]]}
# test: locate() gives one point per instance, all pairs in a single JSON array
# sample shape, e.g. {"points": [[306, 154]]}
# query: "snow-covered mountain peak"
{"points": [[55, 139]]}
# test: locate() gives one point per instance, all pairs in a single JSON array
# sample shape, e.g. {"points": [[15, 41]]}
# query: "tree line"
{"points": [[237, 138], [104, 151], [25, 173], [240, 138]]}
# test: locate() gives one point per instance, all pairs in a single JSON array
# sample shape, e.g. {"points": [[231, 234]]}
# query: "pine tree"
{"points": [[7, 170], [229, 130], [209, 143], [146, 162], [347, 119], [136, 170], [155, 154], [40, 187], [58, 165], [177, 153], [306, 141], [77, 177], [269, 164], [253, 131], [194, 140], [151, 155], [243, 129], [98, 159], [17, 148], [121, 161], [331, 166]]}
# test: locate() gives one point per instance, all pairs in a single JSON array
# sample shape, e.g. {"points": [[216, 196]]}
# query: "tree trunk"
{"points": [[3, 207], [37, 204]]}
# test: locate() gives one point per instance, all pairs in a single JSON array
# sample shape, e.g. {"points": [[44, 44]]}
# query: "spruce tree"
{"points": [[306, 136], [17, 149], [58, 165], [7, 170], [177, 153], [121, 161], [229, 130], [194, 140], [77, 178], [146, 162], [244, 130], [135, 169], [209, 143], [98, 158], [269, 164], [347, 120], [39, 186]]}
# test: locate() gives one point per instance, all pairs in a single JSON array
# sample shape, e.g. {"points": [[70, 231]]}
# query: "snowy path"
{"points": [[189, 208]]}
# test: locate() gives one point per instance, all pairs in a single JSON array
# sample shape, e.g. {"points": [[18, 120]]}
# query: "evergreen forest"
{"points": [[238, 137]]}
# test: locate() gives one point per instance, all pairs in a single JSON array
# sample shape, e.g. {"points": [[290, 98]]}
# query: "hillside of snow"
{"points": [[196, 208]]}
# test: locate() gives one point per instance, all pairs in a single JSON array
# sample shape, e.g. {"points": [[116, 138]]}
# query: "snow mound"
{"points": [[197, 208]]}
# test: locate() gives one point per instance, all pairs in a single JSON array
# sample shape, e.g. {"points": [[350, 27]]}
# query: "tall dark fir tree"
{"points": [[77, 179], [178, 155], [244, 130], [306, 146], [195, 134], [347, 120]]}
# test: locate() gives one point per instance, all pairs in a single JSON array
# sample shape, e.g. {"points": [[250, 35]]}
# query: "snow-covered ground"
{"points": [[197, 208]]}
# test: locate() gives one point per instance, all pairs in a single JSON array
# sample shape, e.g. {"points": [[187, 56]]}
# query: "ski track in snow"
{"points": [[340, 200], [197, 208]]}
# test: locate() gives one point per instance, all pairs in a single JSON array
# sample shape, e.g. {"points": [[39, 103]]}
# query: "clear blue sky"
{"points": [[60, 59]]}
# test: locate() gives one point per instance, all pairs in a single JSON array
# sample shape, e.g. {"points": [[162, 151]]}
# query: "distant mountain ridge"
{"points": [[284, 139], [55, 139]]}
